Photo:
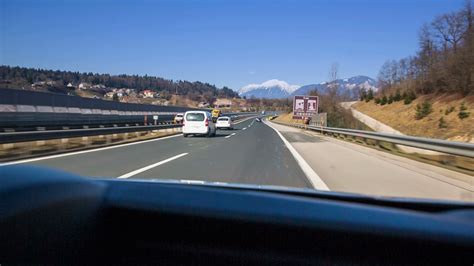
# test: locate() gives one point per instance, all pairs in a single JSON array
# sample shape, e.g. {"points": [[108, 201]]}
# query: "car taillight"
{"points": [[207, 122]]}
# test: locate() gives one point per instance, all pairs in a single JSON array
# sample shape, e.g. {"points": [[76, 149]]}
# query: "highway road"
{"points": [[267, 154], [252, 153]]}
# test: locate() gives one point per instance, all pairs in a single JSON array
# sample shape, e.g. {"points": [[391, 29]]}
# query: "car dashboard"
{"points": [[52, 217]]}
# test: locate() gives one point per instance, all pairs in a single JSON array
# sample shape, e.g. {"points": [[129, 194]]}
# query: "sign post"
{"points": [[305, 106], [155, 118]]}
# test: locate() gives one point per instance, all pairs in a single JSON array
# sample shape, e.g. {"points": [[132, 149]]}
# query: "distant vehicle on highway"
{"points": [[224, 122], [215, 114], [258, 119], [198, 123], [263, 112], [178, 119]]}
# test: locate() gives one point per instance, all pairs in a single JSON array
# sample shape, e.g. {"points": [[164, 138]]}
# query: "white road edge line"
{"points": [[146, 168], [229, 135], [244, 128], [245, 119], [85, 151], [314, 178]]}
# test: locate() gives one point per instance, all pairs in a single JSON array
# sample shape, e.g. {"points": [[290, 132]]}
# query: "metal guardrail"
{"points": [[14, 137], [450, 147]]}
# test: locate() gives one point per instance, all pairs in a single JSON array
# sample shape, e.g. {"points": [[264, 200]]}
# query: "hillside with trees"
{"points": [[20, 77], [444, 62], [431, 93]]}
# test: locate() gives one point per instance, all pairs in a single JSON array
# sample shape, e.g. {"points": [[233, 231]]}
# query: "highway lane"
{"points": [[252, 153]]}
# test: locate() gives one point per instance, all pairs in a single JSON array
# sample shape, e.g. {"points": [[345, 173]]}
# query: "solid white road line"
{"points": [[85, 151], [244, 128], [315, 180], [146, 168], [246, 119], [229, 135]]}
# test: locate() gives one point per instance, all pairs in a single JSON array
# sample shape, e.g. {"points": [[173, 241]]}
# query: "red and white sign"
{"points": [[305, 106]]}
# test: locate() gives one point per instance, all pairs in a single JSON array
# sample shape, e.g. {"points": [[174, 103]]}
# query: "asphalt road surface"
{"points": [[268, 154], [252, 153]]}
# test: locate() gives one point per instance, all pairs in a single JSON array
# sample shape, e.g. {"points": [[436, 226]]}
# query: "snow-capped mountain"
{"points": [[349, 87], [273, 88]]}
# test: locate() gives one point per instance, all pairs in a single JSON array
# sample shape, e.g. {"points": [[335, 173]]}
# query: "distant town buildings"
{"points": [[203, 105], [223, 103], [149, 94], [84, 86]]}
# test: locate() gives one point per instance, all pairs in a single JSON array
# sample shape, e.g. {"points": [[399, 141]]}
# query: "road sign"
{"points": [[155, 117], [319, 120], [305, 106]]}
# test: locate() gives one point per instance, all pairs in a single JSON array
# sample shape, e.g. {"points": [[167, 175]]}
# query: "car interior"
{"points": [[52, 217]]}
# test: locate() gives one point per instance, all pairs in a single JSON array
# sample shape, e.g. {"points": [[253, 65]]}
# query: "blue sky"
{"points": [[226, 43]]}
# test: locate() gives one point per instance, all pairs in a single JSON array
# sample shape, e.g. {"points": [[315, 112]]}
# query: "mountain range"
{"points": [[274, 88]]}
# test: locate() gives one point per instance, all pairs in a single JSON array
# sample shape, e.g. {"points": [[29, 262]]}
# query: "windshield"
{"points": [[368, 97], [195, 117]]}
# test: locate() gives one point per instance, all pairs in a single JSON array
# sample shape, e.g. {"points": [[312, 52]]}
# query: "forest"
{"points": [[18, 77], [443, 63]]}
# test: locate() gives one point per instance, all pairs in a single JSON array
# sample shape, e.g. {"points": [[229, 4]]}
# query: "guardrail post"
{"points": [[108, 138], [63, 143], [85, 141]]}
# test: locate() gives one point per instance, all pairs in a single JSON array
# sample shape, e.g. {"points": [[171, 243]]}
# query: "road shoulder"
{"points": [[349, 167]]}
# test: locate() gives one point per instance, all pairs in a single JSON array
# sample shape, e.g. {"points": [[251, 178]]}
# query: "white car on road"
{"points": [[178, 119], [198, 123], [224, 122]]}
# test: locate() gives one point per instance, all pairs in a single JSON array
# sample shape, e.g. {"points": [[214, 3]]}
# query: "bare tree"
{"points": [[333, 76], [426, 55], [468, 14], [384, 76], [450, 28], [334, 72], [394, 72], [403, 68]]}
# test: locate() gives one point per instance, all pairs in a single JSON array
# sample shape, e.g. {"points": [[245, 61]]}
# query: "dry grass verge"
{"points": [[402, 117]]}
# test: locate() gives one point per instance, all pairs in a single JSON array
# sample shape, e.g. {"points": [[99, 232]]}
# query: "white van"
{"points": [[198, 123]]}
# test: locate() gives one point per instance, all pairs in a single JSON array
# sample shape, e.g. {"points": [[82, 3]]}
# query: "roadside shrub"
{"points": [[363, 95], [442, 123], [384, 100], [397, 97], [390, 99], [409, 97], [463, 112], [449, 110], [377, 100], [423, 110], [370, 95]]}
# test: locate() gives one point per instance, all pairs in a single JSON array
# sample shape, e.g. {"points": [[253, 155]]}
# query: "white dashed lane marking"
{"points": [[146, 168]]}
